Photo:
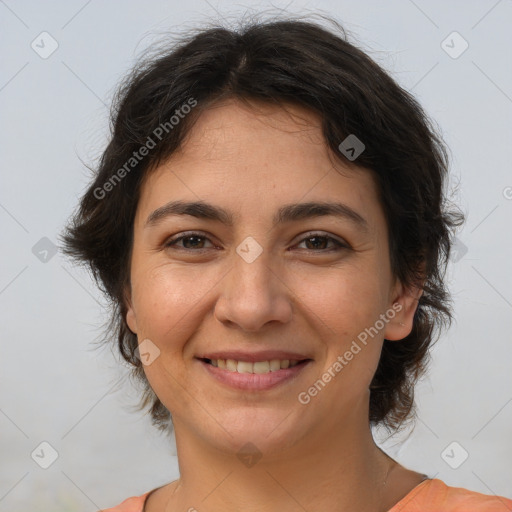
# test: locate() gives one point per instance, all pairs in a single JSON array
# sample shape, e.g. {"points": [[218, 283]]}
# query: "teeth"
{"points": [[261, 367], [245, 367], [258, 367], [275, 365], [231, 365]]}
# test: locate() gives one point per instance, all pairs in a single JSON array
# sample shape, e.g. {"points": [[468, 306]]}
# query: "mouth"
{"points": [[256, 367], [254, 372]]}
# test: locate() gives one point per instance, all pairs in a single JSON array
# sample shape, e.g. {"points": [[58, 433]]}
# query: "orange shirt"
{"points": [[429, 496]]}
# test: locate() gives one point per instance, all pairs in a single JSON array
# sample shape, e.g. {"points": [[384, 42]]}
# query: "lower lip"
{"points": [[254, 381]]}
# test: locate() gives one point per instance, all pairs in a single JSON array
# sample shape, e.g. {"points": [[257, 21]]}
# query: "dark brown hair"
{"points": [[280, 62]]}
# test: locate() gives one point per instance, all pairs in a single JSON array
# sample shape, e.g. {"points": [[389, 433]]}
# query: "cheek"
{"points": [[165, 301], [347, 306], [347, 300], [168, 302]]}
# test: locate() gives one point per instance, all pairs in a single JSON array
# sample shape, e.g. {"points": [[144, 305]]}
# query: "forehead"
{"points": [[256, 157], [238, 119]]}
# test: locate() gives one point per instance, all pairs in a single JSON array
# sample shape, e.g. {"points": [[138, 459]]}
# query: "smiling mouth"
{"points": [[257, 367]]}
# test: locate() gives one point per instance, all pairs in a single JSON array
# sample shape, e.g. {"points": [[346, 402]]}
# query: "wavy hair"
{"points": [[280, 62]]}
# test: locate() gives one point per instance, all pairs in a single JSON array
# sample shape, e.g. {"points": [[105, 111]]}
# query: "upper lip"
{"points": [[265, 355]]}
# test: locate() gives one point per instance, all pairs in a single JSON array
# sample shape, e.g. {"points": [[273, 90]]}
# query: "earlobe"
{"points": [[405, 306], [130, 318]]}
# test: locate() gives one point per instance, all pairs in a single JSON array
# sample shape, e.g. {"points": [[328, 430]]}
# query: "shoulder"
{"points": [[133, 504], [434, 495]]}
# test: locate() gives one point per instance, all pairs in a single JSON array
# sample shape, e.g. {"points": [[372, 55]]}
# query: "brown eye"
{"points": [[319, 243], [190, 241]]}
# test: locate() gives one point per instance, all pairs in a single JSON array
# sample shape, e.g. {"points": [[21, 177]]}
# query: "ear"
{"points": [[131, 318], [404, 304]]}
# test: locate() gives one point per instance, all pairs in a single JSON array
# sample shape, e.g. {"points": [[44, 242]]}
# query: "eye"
{"points": [[320, 241], [194, 241], [191, 241]]}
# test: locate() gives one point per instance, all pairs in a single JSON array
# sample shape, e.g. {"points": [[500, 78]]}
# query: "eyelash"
{"points": [[339, 245]]}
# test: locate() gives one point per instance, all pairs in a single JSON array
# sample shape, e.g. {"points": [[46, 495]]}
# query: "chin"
{"points": [[268, 431]]}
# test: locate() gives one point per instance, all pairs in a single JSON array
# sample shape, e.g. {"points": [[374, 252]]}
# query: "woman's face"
{"points": [[278, 284]]}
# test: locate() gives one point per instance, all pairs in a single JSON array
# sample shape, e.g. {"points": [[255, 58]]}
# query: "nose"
{"points": [[254, 294]]}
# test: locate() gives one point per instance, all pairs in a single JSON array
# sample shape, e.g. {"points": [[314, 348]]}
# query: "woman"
{"points": [[269, 221]]}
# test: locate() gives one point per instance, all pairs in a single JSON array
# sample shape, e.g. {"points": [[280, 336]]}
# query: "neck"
{"points": [[332, 468]]}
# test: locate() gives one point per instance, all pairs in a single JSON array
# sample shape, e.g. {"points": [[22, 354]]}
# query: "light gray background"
{"points": [[55, 387]]}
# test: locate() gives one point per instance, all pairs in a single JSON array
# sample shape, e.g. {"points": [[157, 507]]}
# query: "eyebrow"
{"points": [[287, 213]]}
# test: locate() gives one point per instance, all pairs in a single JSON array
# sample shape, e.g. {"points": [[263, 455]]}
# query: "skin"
{"points": [[295, 295]]}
